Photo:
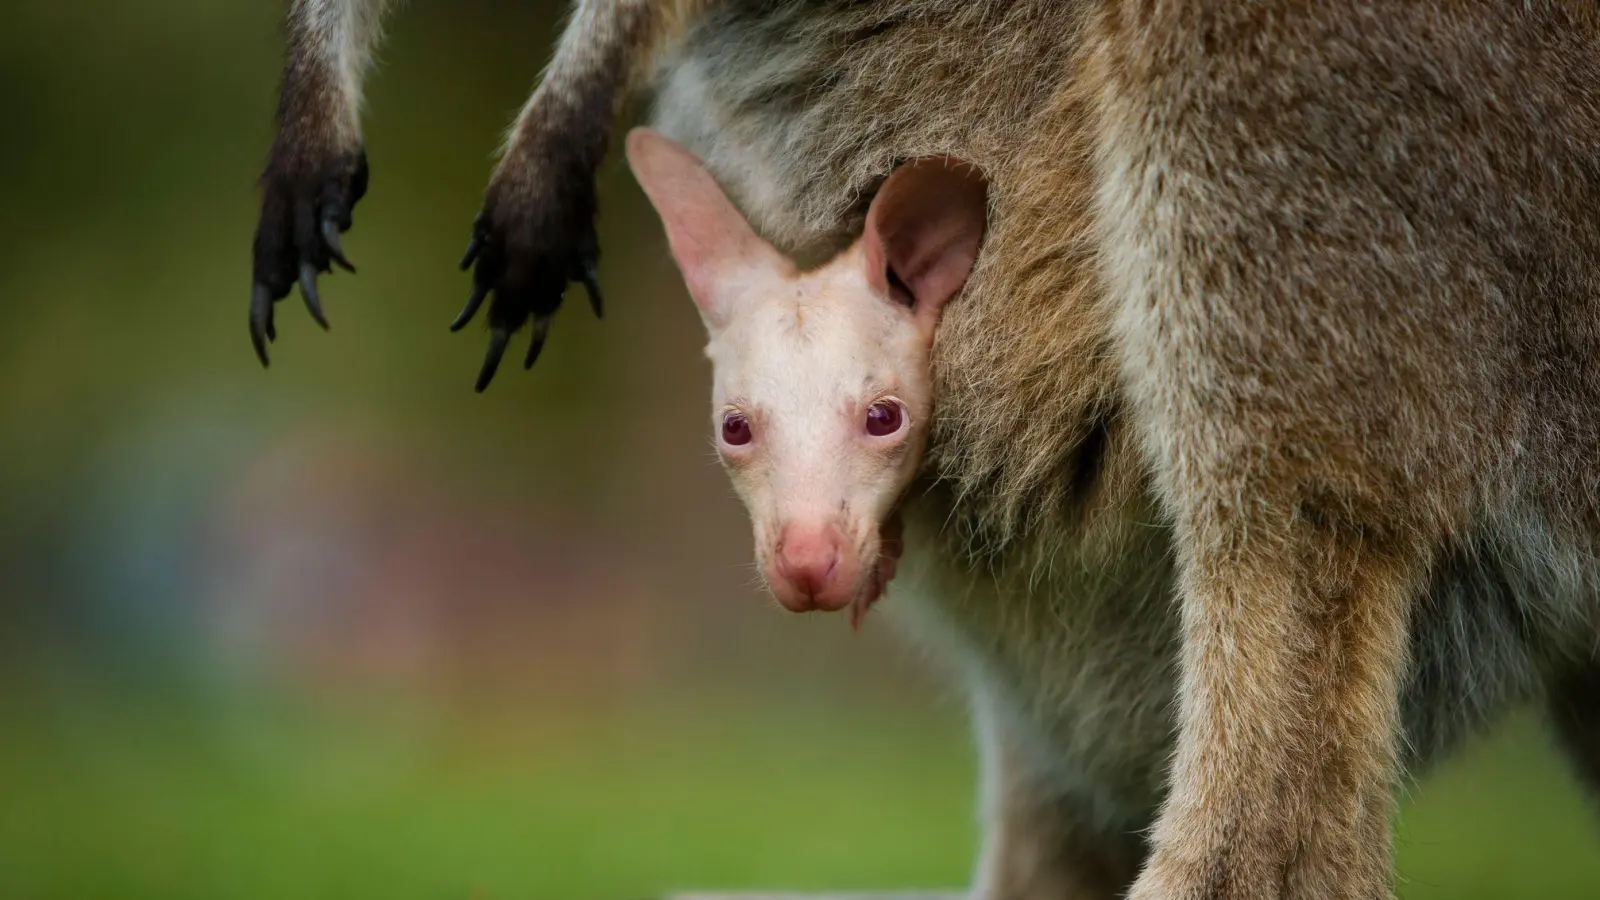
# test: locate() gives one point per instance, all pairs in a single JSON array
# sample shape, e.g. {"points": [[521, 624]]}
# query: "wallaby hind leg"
{"points": [[1575, 713], [1328, 362]]}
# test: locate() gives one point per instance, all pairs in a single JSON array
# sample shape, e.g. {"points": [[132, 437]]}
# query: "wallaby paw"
{"points": [[304, 208], [527, 245]]}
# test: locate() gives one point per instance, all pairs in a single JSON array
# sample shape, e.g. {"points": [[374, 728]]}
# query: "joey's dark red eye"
{"points": [[884, 418], [735, 429]]}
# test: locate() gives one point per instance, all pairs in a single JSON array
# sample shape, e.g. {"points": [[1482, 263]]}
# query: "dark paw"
{"points": [[525, 255], [303, 211]]}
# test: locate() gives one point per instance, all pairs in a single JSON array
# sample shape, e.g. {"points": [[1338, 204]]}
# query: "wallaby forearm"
{"points": [[330, 46], [536, 232], [316, 171]]}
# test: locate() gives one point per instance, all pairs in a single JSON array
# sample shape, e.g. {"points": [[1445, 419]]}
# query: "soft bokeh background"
{"points": [[346, 629]]}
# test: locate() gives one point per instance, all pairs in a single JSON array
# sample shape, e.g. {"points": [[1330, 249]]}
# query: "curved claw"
{"points": [[330, 237], [541, 330], [526, 252], [589, 274], [261, 328], [308, 289], [491, 361], [474, 247], [474, 300], [308, 191]]}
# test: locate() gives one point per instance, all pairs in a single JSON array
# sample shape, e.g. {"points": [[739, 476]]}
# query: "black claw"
{"points": [[330, 236], [261, 330], [497, 349], [474, 247], [523, 255], [308, 289], [474, 300], [589, 274], [304, 211], [541, 330]]}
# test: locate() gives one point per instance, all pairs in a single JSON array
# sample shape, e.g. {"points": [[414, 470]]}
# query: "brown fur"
{"points": [[1269, 422], [1362, 584], [1334, 248], [330, 44]]}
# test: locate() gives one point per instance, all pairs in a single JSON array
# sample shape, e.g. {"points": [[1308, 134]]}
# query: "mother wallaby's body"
{"points": [[1040, 563], [1268, 427]]}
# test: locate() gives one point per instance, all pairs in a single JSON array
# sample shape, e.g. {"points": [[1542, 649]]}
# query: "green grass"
{"points": [[151, 805], [257, 802], [1506, 822]]}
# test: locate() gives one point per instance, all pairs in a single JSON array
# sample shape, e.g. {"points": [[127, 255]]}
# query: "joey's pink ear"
{"points": [[924, 229], [711, 242]]}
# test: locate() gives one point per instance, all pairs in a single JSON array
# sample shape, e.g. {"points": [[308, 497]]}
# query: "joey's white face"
{"points": [[820, 406], [822, 390]]}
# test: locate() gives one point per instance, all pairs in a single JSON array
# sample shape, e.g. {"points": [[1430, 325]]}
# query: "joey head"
{"points": [[822, 380]]}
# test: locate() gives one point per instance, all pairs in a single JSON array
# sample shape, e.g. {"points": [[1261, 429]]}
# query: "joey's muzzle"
{"points": [[817, 568], [812, 567]]}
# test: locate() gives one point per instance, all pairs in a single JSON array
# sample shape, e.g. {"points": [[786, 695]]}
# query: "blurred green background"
{"points": [[345, 629]]}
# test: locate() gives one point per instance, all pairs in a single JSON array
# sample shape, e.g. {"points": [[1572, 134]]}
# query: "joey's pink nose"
{"points": [[808, 569]]}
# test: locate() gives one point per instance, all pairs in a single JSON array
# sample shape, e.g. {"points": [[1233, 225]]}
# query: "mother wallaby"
{"points": [[1269, 419]]}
